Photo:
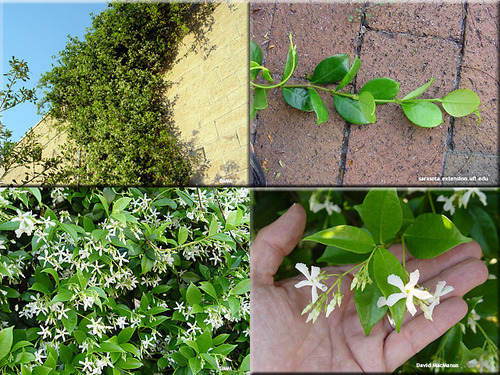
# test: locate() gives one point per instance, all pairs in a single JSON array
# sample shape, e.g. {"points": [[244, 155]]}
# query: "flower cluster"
{"points": [[118, 280]]}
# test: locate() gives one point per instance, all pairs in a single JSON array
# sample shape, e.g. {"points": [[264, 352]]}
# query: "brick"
{"points": [[242, 133], [394, 151], [240, 178], [236, 64], [437, 18], [319, 31], [310, 153], [214, 149], [207, 132], [236, 161], [479, 169], [480, 61], [228, 84], [237, 97], [230, 121]]}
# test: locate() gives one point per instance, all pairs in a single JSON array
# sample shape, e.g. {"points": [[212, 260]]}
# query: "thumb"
{"points": [[274, 242]]}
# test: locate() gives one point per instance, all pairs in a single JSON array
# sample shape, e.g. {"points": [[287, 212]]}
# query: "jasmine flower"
{"points": [[408, 291], [313, 280]]}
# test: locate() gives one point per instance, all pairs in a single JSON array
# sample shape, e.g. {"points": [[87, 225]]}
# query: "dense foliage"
{"points": [[124, 281], [358, 226], [109, 91]]}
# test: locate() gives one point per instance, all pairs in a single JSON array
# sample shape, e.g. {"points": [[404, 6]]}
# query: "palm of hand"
{"points": [[281, 340]]}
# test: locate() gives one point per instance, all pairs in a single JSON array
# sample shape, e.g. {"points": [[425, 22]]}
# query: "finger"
{"points": [[429, 268], [476, 272], [274, 242], [419, 332]]}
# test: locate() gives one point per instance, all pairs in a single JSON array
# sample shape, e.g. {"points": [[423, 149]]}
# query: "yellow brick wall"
{"points": [[211, 101], [211, 91], [50, 138]]}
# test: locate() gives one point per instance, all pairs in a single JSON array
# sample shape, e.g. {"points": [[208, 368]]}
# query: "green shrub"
{"points": [[109, 91], [124, 281]]}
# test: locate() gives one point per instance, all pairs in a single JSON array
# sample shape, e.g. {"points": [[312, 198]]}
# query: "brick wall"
{"points": [[211, 92]]}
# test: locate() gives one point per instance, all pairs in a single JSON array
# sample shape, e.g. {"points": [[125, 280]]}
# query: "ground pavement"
{"points": [[455, 43]]}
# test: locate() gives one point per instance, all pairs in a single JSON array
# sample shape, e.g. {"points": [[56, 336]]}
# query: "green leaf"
{"points": [[6, 338], [382, 88], [351, 110], [319, 106], [245, 364], [356, 64], [195, 365], [345, 237], [219, 339], [255, 52], [424, 114], [382, 214], [242, 287], [332, 69], [334, 255], [484, 231], [209, 289], [54, 274], [125, 335], [291, 61], [109, 347], [461, 102], [10, 225], [419, 91], [452, 340], [297, 97], [256, 57], [39, 287], [204, 341], [193, 295], [129, 364], [432, 234], [182, 235], [463, 220], [366, 303], [120, 204], [71, 321], [36, 193], [385, 264], [260, 98], [190, 277], [223, 349], [68, 228]]}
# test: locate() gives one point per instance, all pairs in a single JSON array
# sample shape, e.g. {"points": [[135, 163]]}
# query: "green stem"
{"points": [[430, 201], [404, 266], [486, 336], [348, 95]]}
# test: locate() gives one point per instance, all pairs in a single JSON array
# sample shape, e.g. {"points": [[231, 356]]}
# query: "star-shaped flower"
{"points": [[441, 290], [408, 291], [313, 280]]}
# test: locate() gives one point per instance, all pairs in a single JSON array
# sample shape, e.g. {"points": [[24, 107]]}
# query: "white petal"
{"points": [[314, 272], [393, 298], [482, 197], [466, 197], [303, 283], [314, 296], [381, 302], [421, 294], [303, 268], [439, 287], [414, 276], [319, 285], [396, 281], [410, 306]]}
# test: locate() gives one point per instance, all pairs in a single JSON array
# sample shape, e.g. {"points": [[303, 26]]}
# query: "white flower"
{"points": [[61, 333], [441, 290], [312, 280], [96, 327], [330, 207], [464, 200], [26, 223], [448, 203], [408, 291], [471, 321], [45, 333]]}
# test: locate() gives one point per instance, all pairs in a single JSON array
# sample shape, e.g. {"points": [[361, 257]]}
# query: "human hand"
{"points": [[281, 340]]}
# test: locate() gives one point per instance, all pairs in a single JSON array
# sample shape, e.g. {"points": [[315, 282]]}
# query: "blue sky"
{"points": [[36, 31]]}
